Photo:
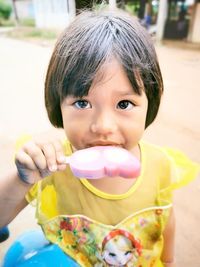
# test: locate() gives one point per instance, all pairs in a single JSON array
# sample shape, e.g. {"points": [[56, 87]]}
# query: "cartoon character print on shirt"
{"points": [[136, 241], [120, 248]]}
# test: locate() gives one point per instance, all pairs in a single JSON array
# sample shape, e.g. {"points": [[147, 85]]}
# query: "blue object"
{"points": [[4, 234], [33, 249]]}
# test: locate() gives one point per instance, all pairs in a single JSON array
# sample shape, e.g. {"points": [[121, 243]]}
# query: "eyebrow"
{"points": [[126, 93]]}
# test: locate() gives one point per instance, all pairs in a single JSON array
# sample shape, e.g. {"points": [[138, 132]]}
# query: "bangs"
{"points": [[91, 41], [108, 38]]}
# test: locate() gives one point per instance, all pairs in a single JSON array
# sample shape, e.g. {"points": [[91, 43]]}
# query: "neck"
{"points": [[114, 185]]}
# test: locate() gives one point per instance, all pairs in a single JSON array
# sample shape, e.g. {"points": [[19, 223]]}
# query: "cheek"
{"points": [[129, 256], [70, 128], [69, 120], [109, 259], [133, 136], [75, 132], [134, 128], [75, 118]]}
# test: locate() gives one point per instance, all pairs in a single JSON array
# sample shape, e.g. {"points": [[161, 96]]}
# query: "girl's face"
{"points": [[118, 251], [111, 114]]}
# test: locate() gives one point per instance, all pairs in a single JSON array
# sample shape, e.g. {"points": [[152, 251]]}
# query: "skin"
{"points": [[111, 114], [103, 115], [169, 240]]}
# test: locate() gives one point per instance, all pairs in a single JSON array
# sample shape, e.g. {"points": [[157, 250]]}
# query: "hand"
{"points": [[38, 158]]}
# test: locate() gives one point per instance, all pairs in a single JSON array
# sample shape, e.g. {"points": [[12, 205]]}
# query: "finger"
{"points": [[61, 167], [49, 152], [45, 173], [36, 154], [25, 166], [60, 157], [25, 161]]}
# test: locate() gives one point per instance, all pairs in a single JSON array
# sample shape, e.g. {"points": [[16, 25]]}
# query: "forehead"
{"points": [[107, 71], [112, 73], [119, 242]]}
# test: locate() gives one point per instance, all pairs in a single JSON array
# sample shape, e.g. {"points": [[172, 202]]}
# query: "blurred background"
{"points": [[28, 31], [167, 19]]}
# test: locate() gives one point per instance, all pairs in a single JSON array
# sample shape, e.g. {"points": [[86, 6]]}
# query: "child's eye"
{"points": [[127, 252], [125, 104], [82, 104], [112, 254]]}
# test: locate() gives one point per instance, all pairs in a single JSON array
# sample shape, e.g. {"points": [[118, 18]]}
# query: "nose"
{"points": [[103, 123]]}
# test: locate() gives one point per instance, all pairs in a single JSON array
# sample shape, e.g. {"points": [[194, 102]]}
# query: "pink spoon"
{"points": [[100, 161]]}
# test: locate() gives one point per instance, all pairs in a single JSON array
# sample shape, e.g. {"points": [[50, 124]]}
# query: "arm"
{"points": [[12, 196], [169, 240], [35, 160]]}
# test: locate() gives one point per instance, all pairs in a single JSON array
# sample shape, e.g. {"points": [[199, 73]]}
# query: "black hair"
{"points": [[91, 40]]}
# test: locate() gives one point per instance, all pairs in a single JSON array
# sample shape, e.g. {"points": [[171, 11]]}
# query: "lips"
{"points": [[103, 143]]}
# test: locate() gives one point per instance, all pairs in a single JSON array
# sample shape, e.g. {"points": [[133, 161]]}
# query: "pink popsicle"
{"points": [[100, 161]]}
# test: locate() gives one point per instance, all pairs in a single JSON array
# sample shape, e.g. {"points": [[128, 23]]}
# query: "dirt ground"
{"points": [[22, 71]]}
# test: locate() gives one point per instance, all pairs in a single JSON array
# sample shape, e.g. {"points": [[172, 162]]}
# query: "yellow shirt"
{"points": [[99, 229]]}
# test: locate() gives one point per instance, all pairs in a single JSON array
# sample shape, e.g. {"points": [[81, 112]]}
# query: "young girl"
{"points": [[103, 86]]}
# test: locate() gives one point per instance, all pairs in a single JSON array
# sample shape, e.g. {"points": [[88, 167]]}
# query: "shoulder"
{"points": [[155, 154], [158, 163]]}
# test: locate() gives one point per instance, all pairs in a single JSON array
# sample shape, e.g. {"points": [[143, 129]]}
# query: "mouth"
{"points": [[103, 143]]}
